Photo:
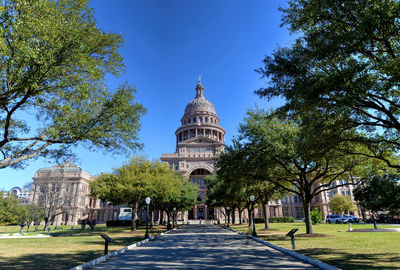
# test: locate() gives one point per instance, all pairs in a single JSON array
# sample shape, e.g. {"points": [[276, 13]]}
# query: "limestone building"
{"points": [[199, 139], [64, 190]]}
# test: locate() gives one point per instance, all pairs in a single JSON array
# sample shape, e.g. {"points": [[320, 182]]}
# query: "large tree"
{"points": [[53, 62], [237, 170], [300, 160], [343, 63], [139, 178], [380, 193]]}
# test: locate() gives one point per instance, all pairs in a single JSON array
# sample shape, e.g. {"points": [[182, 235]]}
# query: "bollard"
{"points": [[350, 228], [293, 243]]}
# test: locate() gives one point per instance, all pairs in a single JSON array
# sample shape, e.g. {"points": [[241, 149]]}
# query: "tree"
{"points": [[53, 198], [380, 193], [239, 179], [344, 63], [9, 209], [53, 62], [140, 178], [342, 204], [300, 161]]}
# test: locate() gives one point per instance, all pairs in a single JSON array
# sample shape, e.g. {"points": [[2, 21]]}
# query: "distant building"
{"points": [[22, 195], [199, 139]]}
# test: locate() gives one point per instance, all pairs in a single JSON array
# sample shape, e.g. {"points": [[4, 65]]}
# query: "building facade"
{"points": [[199, 140]]}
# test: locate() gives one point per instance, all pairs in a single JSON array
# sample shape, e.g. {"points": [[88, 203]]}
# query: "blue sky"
{"points": [[168, 44]]}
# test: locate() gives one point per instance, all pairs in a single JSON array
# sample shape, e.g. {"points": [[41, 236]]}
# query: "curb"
{"points": [[292, 253], [118, 252]]}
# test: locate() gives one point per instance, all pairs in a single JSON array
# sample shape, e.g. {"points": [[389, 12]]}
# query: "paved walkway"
{"points": [[203, 247]]}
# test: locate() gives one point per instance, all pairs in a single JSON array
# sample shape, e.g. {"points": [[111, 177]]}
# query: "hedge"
{"points": [[122, 223], [275, 220]]}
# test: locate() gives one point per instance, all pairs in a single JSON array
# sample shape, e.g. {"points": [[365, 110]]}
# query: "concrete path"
{"points": [[203, 247]]}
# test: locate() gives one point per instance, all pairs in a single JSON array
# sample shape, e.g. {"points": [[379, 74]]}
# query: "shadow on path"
{"points": [[203, 247]]}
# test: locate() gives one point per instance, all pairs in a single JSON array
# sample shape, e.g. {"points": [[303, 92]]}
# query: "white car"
{"points": [[335, 219], [352, 219]]}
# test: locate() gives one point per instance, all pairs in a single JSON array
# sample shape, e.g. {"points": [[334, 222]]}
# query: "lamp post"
{"points": [[228, 211], [252, 215], [147, 218]]}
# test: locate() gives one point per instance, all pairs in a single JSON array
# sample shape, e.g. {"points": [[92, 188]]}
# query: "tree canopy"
{"points": [[380, 193], [53, 62], [288, 153], [344, 64], [139, 178], [342, 204]]}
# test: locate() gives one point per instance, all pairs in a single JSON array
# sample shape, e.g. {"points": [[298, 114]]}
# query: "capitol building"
{"points": [[199, 139]]}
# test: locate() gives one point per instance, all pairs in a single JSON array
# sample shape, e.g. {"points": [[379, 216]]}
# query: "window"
{"points": [[194, 119], [206, 119], [189, 121]]}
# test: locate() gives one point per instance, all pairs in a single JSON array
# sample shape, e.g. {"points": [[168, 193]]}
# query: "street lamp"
{"points": [[147, 218], [252, 214], [228, 213]]}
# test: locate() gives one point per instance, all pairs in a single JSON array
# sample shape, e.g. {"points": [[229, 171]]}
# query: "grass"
{"points": [[67, 247], [336, 246]]}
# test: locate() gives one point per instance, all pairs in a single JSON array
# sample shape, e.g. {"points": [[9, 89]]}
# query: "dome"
{"points": [[200, 103], [65, 167]]}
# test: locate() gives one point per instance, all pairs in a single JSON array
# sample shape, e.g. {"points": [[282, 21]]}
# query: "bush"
{"points": [[275, 220], [124, 223], [316, 216]]}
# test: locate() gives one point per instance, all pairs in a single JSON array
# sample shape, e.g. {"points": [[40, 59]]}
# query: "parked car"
{"points": [[335, 219], [352, 219]]}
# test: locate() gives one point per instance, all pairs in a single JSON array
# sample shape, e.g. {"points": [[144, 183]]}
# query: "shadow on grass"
{"points": [[345, 260], [64, 260], [46, 261]]}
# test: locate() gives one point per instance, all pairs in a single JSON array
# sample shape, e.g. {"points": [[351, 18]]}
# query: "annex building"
{"points": [[199, 139]]}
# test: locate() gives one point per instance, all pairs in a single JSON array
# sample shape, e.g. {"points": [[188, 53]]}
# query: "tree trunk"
{"points": [[161, 220], [233, 215], [240, 216], [46, 223], [307, 214], [134, 217], [151, 219], [266, 215]]}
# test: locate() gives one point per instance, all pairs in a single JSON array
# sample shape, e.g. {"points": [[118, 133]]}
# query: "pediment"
{"points": [[200, 140]]}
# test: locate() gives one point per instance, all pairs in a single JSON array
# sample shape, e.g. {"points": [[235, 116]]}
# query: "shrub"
{"points": [[316, 216], [275, 220]]}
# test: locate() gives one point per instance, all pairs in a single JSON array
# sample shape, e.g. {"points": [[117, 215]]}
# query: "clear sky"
{"points": [[168, 44]]}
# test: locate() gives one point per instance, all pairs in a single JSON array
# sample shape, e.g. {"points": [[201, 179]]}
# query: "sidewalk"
{"points": [[203, 247]]}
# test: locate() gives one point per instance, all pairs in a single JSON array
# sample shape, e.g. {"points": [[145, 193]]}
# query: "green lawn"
{"points": [[336, 246], [67, 248]]}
